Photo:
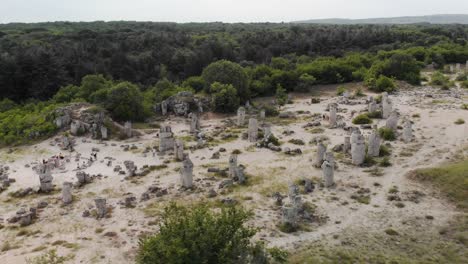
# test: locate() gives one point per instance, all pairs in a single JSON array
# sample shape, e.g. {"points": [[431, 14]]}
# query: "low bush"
{"points": [[387, 133], [362, 119]]}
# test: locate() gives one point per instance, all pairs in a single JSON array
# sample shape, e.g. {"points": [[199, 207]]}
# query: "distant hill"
{"points": [[432, 19]]}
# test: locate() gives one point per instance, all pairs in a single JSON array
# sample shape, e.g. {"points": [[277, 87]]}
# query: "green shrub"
{"points": [[391, 232], [224, 98], [385, 84], [385, 162], [384, 151], [464, 106], [296, 141], [439, 79], [459, 121], [464, 84], [125, 102], [387, 133], [340, 90], [197, 235], [376, 114], [362, 119], [359, 92]]}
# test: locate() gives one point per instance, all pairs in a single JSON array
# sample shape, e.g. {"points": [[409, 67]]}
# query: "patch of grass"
{"points": [[385, 162], [316, 130], [387, 133], [384, 151], [393, 190], [39, 248], [296, 141], [459, 121], [49, 257], [376, 114], [236, 151], [362, 119], [464, 106], [416, 115], [451, 179], [98, 230], [340, 90], [391, 232]]}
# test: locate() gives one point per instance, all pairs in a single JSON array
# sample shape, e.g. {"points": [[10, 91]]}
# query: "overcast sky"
{"points": [[219, 10]]}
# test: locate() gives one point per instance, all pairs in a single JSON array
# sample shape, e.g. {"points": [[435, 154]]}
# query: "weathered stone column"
{"points": [[67, 197], [232, 165], [293, 191], [83, 178], [407, 131], [101, 207], [128, 129], [358, 149], [186, 173], [328, 170], [45, 178], [131, 168], [240, 174], [166, 139], [347, 145], [289, 215], [253, 130], [262, 115], [240, 116], [392, 121], [386, 105], [194, 123], [332, 119], [164, 108], [179, 150], [319, 158], [372, 105], [373, 148], [104, 132]]}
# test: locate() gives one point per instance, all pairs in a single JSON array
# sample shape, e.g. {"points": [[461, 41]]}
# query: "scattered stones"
{"points": [[84, 178]]}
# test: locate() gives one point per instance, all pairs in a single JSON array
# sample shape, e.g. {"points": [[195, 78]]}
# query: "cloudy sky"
{"points": [[219, 10]]}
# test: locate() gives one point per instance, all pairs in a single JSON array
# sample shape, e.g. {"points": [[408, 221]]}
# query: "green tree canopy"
{"points": [[224, 97], [125, 102], [227, 72]]}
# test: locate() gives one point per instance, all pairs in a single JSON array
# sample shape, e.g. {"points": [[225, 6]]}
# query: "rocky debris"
{"points": [[45, 178], [225, 183], [215, 155], [287, 114], [181, 104], [130, 168], [194, 123], [23, 217], [129, 201], [212, 193], [312, 124], [292, 152], [66, 143], [83, 178], [229, 201]]}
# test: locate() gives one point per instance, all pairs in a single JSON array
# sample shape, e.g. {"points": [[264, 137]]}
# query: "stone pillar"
{"points": [[293, 191], [451, 69], [104, 132], [240, 174], [179, 150], [131, 168], [386, 105], [373, 148], [372, 105], [83, 178], [164, 108], [332, 118], [392, 121], [45, 178], [319, 158], [407, 131], [358, 148], [101, 207], [232, 165], [67, 197], [240, 116], [75, 127], [347, 144], [186, 173], [128, 129], [253, 130], [327, 170], [166, 139], [289, 215], [266, 131], [194, 123], [262, 115], [457, 67], [330, 158]]}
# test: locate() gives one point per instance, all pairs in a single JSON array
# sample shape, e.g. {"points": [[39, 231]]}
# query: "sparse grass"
{"points": [[391, 232], [436, 101], [387, 133], [297, 141], [98, 230], [416, 115], [376, 114], [459, 121], [385, 162], [316, 130], [464, 106], [362, 119], [451, 179], [39, 248], [384, 151], [49, 257], [393, 190]]}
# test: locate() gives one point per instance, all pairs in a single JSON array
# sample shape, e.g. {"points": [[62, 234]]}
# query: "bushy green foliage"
{"points": [[439, 79], [227, 72], [224, 97], [340, 90], [362, 119], [31, 121], [196, 83], [384, 84], [125, 102], [281, 96], [198, 235], [387, 133], [7, 104], [305, 82]]}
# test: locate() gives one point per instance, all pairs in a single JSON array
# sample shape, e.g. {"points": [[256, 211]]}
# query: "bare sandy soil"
{"points": [[88, 240]]}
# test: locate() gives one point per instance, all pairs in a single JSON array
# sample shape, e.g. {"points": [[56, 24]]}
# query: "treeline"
{"points": [[37, 59]]}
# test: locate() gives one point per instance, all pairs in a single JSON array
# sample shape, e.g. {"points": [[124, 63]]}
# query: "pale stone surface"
{"points": [[332, 117], [327, 171], [319, 158], [179, 150], [373, 148], [358, 148], [253, 130], [232, 165], [104, 134], [101, 207], [130, 167], [128, 129], [392, 121], [372, 105], [186, 173], [241, 116], [194, 123], [45, 178], [67, 193], [262, 115], [166, 139], [83, 178], [407, 131], [386, 105], [347, 145], [164, 107]]}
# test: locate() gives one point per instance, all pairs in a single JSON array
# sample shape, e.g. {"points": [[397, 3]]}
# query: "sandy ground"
{"points": [[437, 139]]}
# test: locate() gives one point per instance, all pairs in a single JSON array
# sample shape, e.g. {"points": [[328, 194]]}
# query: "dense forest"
{"points": [[37, 59], [139, 64]]}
